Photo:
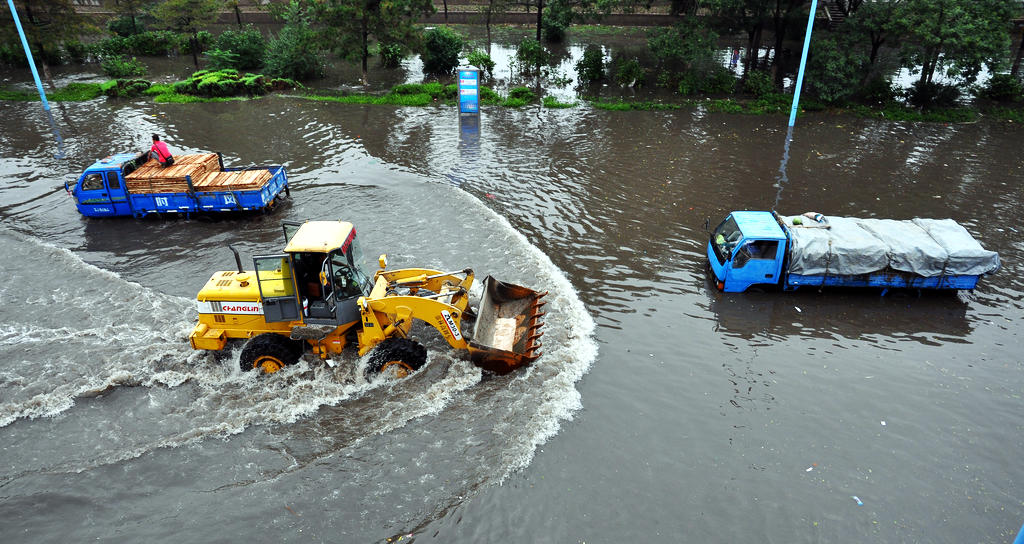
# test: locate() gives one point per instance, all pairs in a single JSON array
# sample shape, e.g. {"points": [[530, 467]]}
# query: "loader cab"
{"points": [[318, 278], [747, 248]]}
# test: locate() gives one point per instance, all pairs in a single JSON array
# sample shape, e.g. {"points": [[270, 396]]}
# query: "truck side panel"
{"points": [[212, 201], [884, 280]]}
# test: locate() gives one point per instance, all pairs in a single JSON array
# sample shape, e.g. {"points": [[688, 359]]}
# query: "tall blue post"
{"points": [[783, 178], [35, 75], [803, 63]]}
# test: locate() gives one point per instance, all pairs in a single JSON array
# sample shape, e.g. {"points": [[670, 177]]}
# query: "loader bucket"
{"points": [[507, 330]]}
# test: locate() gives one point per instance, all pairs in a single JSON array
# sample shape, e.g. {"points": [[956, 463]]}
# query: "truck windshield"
{"points": [[724, 239]]}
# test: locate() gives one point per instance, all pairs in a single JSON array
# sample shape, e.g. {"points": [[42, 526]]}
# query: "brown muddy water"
{"points": [[662, 410]]}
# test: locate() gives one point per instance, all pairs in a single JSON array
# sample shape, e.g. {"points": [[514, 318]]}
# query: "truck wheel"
{"points": [[397, 357], [269, 352]]}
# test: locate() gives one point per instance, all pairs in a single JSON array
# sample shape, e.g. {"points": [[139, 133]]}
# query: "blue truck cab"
{"points": [[100, 190], [747, 248]]}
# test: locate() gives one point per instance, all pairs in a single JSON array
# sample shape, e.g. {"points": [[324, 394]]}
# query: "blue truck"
{"points": [[759, 249], [133, 184]]}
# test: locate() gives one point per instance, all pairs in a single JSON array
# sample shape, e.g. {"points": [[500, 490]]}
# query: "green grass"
{"points": [[621, 105], [158, 89], [23, 96], [178, 98], [1009, 114], [74, 92], [552, 102]]}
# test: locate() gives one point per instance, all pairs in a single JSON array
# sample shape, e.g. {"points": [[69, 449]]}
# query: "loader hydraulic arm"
{"points": [[385, 313]]}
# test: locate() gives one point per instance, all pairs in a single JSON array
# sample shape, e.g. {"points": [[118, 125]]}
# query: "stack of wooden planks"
{"points": [[153, 178], [240, 180]]}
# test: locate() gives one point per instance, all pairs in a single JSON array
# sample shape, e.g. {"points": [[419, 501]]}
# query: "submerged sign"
{"points": [[469, 90]]}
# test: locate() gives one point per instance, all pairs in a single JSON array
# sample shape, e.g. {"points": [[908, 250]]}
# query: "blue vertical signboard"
{"points": [[469, 90]]}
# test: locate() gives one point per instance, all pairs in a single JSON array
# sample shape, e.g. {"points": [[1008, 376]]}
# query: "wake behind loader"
{"points": [[316, 296]]}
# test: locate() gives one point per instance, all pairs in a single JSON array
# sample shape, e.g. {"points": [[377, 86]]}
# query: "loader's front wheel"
{"points": [[397, 358], [269, 353]]}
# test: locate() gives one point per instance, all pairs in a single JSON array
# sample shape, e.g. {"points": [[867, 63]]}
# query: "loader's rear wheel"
{"points": [[269, 353], [397, 358]]}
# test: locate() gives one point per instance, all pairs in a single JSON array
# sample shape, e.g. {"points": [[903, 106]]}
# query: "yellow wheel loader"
{"points": [[317, 296]]}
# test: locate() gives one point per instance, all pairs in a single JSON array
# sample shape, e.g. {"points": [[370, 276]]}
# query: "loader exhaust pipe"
{"points": [[507, 332], [238, 260]]}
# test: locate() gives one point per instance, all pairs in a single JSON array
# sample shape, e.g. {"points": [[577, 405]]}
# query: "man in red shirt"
{"points": [[160, 152]]}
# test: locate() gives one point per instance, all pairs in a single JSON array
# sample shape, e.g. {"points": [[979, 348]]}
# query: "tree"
{"points": [[878, 22], [1015, 71], [48, 24], [131, 10], [955, 37], [489, 9], [188, 17], [352, 23], [233, 4], [294, 52], [748, 16]]}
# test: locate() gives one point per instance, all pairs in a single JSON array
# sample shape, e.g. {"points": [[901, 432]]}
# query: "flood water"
{"points": [[661, 410]]}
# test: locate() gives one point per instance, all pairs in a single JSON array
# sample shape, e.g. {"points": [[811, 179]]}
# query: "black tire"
{"points": [[269, 352], [397, 356]]}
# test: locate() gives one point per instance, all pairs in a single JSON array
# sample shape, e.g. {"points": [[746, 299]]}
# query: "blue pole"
{"points": [[1020, 537], [35, 75], [803, 63]]}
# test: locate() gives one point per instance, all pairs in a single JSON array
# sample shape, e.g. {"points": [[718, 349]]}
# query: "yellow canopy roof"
{"points": [[321, 236]]}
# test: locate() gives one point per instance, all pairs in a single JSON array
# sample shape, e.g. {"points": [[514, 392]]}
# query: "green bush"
{"points": [[219, 59], [121, 88], [481, 60], [489, 97], [522, 93], [759, 84], [12, 54], [531, 55], [878, 92], [292, 54], [553, 103], [247, 44], [228, 82], [1002, 88], [120, 66], [441, 49], [112, 46], [590, 68], [836, 68], [629, 73], [720, 81], [77, 51], [123, 26], [203, 39], [154, 44], [932, 95], [391, 55]]}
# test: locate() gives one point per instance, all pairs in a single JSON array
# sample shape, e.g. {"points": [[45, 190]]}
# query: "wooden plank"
{"points": [[151, 177]]}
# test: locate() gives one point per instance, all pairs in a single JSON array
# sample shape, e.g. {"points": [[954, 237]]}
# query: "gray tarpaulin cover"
{"points": [[850, 246]]}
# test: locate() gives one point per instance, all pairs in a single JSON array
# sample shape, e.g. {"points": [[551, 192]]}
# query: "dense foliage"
{"points": [[591, 68], [293, 53], [441, 49], [241, 49]]}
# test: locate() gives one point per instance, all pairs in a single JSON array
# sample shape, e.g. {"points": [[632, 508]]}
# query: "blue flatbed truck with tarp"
{"points": [[758, 249], [132, 184]]}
